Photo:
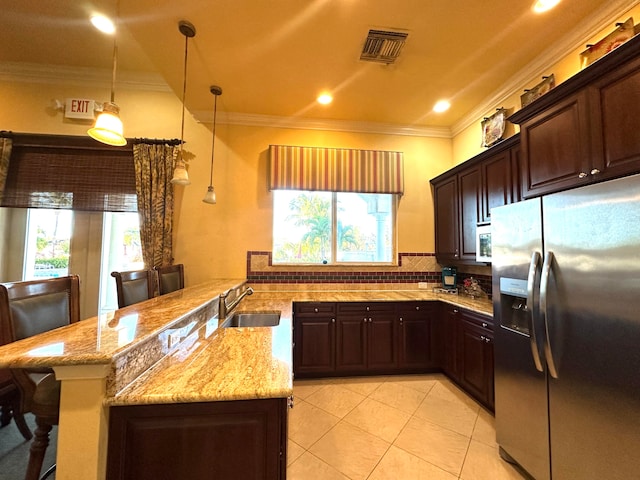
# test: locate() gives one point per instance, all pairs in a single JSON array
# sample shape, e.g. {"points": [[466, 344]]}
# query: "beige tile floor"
{"points": [[410, 427]]}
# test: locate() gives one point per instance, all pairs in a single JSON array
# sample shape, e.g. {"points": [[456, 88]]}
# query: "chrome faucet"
{"points": [[224, 308]]}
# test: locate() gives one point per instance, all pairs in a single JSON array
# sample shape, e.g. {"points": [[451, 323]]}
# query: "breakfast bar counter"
{"points": [[173, 350]]}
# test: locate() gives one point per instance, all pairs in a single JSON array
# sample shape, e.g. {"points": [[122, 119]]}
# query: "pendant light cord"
{"points": [[213, 141], [115, 53], [184, 91]]}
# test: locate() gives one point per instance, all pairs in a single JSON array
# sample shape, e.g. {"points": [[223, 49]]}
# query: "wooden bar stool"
{"points": [[27, 309], [134, 286], [170, 278]]}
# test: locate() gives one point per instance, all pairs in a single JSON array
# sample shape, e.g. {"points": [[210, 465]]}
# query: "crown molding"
{"points": [[255, 120], [80, 76], [608, 14]]}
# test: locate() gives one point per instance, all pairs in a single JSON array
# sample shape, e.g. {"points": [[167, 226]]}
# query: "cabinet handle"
{"points": [[595, 171], [290, 402], [333, 320], [315, 310], [369, 319], [400, 320], [365, 319], [367, 309], [487, 339], [582, 174], [482, 337], [485, 324], [455, 310]]}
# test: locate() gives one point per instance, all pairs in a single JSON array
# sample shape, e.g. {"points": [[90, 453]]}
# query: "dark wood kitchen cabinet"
{"points": [[366, 337], [475, 346], [467, 351], [584, 130], [314, 338], [416, 345], [457, 212], [229, 439], [465, 195]]}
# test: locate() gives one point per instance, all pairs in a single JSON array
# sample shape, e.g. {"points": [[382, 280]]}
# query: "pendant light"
{"points": [[108, 127], [210, 196], [180, 175]]}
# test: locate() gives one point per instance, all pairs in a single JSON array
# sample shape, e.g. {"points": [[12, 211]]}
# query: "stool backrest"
{"points": [[134, 286], [170, 278]]}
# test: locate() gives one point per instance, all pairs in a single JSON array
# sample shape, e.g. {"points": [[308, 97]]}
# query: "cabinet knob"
{"points": [[485, 324], [367, 309], [369, 319], [487, 339], [315, 310], [595, 171], [417, 308], [582, 174], [333, 320], [455, 310], [482, 337]]}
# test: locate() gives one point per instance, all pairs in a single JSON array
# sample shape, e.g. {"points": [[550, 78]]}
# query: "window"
{"points": [[333, 227], [121, 251], [48, 243]]}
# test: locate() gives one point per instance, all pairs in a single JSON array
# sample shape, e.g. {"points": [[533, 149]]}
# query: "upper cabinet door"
{"points": [[445, 198], [497, 186], [616, 115], [469, 181], [555, 145]]}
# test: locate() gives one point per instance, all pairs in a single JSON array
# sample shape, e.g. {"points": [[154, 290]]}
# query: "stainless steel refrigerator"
{"points": [[566, 295]]}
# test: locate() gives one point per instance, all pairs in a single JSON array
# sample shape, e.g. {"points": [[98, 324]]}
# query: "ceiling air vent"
{"points": [[383, 47]]}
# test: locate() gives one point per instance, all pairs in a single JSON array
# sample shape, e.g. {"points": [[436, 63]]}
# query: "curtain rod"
{"points": [[157, 141]]}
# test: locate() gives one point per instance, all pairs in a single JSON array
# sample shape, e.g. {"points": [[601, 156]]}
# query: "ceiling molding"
{"points": [[607, 15], [255, 120], [80, 76]]}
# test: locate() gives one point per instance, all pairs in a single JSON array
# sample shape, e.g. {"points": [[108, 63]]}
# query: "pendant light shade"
{"points": [[108, 127], [180, 175], [210, 196]]}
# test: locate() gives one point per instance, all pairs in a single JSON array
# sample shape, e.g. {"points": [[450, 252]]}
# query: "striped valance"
{"points": [[335, 169]]}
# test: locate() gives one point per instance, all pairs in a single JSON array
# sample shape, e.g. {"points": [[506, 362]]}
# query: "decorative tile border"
{"points": [[413, 267]]}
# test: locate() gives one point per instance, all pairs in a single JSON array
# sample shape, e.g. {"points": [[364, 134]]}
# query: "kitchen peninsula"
{"points": [[170, 351]]}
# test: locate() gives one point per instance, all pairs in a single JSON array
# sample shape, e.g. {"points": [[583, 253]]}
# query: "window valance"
{"points": [[335, 169]]}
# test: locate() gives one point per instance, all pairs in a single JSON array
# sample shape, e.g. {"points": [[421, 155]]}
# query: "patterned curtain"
{"points": [[335, 169], [5, 153], [154, 170]]}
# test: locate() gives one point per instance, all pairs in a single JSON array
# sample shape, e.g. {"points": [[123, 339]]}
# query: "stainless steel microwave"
{"points": [[483, 243]]}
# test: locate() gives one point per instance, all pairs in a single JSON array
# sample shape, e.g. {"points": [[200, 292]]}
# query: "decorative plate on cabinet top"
{"points": [[493, 127]]}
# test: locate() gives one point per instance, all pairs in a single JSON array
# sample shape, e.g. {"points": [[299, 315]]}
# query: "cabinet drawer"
{"points": [[356, 308], [405, 308], [477, 320], [311, 308]]}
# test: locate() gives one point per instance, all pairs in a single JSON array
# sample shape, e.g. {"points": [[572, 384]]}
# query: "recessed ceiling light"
{"points": [[325, 99], [102, 23], [441, 106], [543, 5]]}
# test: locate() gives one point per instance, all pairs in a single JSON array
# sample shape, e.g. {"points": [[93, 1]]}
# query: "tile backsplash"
{"points": [[412, 268]]}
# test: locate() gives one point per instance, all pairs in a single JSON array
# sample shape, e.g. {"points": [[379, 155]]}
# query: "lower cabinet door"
{"points": [[351, 344], [382, 349], [314, 346], [235, 439]]}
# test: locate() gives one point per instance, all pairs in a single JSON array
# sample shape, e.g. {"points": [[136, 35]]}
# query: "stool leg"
{"points": [[38, 447], [22, 425]]}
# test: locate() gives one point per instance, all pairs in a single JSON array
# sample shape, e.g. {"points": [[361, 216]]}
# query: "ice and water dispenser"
{"points": [[515, 314]]}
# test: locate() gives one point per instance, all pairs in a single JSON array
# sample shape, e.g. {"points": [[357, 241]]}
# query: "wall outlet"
{"points": [[423, 285]]}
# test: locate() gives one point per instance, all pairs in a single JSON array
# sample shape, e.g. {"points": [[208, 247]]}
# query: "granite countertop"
{"points": [[171, 349], [98, 340], [248, 363]]}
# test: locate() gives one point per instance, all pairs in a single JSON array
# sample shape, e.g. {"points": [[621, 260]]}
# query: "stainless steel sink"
{"points": [[253, 319]]}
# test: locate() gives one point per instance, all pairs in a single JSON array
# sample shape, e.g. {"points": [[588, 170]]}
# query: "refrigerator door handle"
{"points": [[544, 290], [534, 271]]}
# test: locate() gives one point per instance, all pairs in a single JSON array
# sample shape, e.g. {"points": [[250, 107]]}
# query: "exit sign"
{"points": [[79, 108]]}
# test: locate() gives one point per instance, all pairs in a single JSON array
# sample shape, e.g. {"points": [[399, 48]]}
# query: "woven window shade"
{"points": [[335, 169], [73, 173]]}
